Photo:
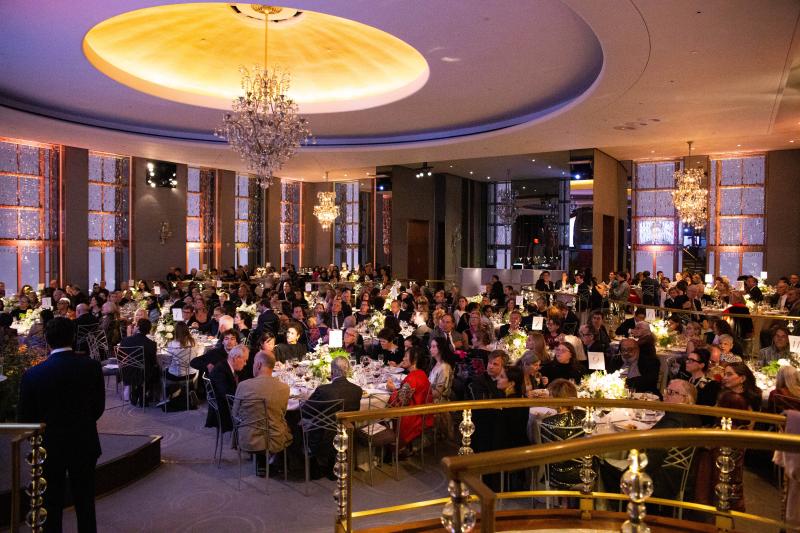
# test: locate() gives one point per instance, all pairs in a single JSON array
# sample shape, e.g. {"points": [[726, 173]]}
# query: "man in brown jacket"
{"points": [[253, 396]]}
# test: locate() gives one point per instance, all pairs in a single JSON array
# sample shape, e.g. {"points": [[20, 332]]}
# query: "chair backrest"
{"points": [[130, 357], [680, 459], [557, 433], [249, 412], [180, 357], [84, 330], [211, 397], [97, 341], [320, 414]]}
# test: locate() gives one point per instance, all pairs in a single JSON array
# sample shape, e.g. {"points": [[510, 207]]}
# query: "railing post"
{"points": [[467, 428], [638, 486], [342, 472], [458, 515], [724, 491], [37, 515], [587, 473]]}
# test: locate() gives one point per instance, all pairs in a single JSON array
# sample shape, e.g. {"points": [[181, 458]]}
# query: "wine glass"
{"points": [[365, 361]]}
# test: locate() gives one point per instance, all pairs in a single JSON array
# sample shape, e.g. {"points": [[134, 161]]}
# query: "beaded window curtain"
{"points": [[291, 232], [29, 222], [655, 224], [201, 219], [346, 228], [109, 219]]}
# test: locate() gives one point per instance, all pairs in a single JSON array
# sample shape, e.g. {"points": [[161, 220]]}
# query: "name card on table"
{"points": [[204, 267], [157, 290], [47, 303], [538, 323], [709, 279], [335, 338], [520, 301], [794, 344], [131, 284], [177, 314], [218, 283], [597, 361], [740, 285], [308, 287], [650, 315], [268, 265], [40, 287]]}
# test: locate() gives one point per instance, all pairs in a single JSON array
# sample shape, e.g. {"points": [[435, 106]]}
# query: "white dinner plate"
{"points": [[394, 369], [630, 425]]}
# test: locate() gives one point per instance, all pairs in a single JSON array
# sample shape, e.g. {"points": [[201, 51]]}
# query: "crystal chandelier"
{"points": [[326, 210], [264, 127], [690, 196], [506, 207]]}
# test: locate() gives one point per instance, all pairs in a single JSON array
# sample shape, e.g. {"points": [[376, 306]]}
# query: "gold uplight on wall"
{"points": [[191, 53]]}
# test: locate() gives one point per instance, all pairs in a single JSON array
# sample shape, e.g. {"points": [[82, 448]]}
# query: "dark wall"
{"points": [[75, 170], [783, 215]]}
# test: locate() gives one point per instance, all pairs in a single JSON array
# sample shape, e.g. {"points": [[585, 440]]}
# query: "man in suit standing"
{"points": [[267, 319], [275, 435], [650, 289], [66, 392], [223, 381], [321, 442], [133, 377]]}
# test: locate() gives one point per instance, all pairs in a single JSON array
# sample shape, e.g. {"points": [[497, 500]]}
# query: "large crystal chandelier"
{"points": [[690, 196], [326, 210], [264, 127], [506, 207]]}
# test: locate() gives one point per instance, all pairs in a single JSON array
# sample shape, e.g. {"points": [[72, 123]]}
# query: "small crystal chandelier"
{"points": [[326, 210], [690, 196], [506, 208], [264, 127]]}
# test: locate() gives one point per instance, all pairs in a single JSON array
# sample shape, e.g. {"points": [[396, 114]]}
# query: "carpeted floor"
{"points": [[190, 493]]}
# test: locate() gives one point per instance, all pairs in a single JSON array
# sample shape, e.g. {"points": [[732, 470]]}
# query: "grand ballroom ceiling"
{"points": [[460, 84]]}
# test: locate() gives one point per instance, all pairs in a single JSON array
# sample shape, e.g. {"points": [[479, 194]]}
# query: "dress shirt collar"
{"points": [[59, 350]]}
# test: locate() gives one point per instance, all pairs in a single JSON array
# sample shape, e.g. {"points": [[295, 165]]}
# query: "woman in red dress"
{"points": [[414, 390]]}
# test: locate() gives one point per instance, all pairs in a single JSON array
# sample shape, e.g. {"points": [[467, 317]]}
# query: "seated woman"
{"points": [[692, 336], [317, 331], [291, 349], [414, 390], [674, 324], [182, 349], [153, 309], [697, 367], [511, 430], [243, 322], [739, 379], [564, 425], [553, 336], [392, 353], [533, 382], [564, 366], [787, 384], [441, 375], [726, 355]]}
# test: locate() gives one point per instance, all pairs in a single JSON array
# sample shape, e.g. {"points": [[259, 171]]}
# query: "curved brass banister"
{"points": [[718, 412], [518, 458]]}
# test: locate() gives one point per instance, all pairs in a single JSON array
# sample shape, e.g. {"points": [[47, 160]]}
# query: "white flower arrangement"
{"points": [[406, 329], [375, 322], [664, 337], [249, 309], [514, 345], [478, 298], [601, 385], [321, 360], [165, 329], [27, 320]]}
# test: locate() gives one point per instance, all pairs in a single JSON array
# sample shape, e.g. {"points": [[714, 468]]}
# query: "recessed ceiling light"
{"points": [[470, 172], [548, 166], [738, 145], [488, 177], [652, 151], [535, 160], [451, 166], [562, 172], [523, 187], [345, 175], [791, 141]]}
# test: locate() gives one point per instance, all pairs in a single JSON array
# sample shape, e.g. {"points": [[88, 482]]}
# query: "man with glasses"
{"points": [[697, 368], [641, 372]]}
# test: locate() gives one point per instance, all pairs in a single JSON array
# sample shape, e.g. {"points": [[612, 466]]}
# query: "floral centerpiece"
{"points": [[514, 345], [406, 329], [165, 329], [601, 385], [26, 320], [375, 322], [478, 298], [249, 309], [15, 359], [772, 368], [321, 363], [9, 302], [664, 337]]}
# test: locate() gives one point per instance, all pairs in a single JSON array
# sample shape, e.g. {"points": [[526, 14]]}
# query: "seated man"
{"points": [[223, 381], [131, 377], [641, 373], [778, 348], [320, 442], [627, 325], [514, 324], [666, 480], [274, 435]]}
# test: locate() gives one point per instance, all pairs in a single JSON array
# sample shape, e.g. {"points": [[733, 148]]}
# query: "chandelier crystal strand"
{"points": [[264, 126], [690, 196], [326, 210], [507, 203]]}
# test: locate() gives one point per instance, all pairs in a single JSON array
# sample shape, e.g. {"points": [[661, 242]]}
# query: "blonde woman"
{"points": [[787, 383]]}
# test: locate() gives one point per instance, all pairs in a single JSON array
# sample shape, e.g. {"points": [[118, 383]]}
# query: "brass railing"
{"points": [[349, 421], [37, 515]]}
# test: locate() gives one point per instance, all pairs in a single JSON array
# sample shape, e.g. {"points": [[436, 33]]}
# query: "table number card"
{"points": [[794, 344], [268, 265], [308, 287], [740, 285], [218, 283], [335, 338], [520, 301], [131, 284], [204, 267], [597, 361], [650, 315], [538, 323], [157, 290], [47, 303], [177, 314]]}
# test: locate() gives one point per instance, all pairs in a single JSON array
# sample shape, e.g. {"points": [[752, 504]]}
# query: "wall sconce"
{"points": [[164, 233]]}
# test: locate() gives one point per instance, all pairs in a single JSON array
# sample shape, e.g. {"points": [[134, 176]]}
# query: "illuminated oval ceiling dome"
{"points": [[191, 53]]}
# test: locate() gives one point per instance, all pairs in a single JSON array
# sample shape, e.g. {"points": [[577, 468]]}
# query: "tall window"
{"points": [[291, 207], [201, 219], [248, 230], [737, 227], [109, 219], [29, 227], [655, 224], [347, 226], [498, 250]]}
